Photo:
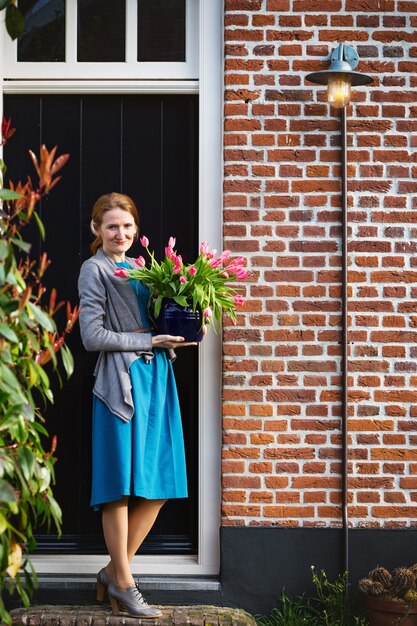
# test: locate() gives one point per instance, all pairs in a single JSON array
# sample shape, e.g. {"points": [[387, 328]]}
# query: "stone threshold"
{"points": [[147, 583], [70, 615]]}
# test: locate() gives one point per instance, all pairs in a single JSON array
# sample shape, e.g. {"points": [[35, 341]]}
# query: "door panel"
{"points": [[145, 146]]}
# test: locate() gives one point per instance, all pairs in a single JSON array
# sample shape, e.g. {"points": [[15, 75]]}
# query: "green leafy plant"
{"points": [[202, 285], [332, 605], [15, 23], [29, 339], [329, 607]]}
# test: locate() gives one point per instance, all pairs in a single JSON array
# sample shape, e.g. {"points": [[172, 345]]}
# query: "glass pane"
{"points": [[161, 30], [101, 30], [44, 36]]}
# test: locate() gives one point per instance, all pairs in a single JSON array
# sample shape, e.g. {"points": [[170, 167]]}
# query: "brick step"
{"points": [[69, 615]]}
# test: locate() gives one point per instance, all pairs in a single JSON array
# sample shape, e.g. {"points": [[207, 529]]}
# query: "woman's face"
{"points": [[117, 231]]}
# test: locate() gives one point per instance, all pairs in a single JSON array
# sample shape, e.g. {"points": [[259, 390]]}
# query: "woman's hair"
{"points": [[107, 202]]}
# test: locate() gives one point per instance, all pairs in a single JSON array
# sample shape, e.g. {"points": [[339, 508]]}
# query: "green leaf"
{"points": [[158, 304], [7, 376], [3, 524], [27, 462], [23, 245], [41, 317], [8, 194], [4, 248], [7, 332], [7, 493], [40, 224], [67, 360], [15, 23], [181, 300]]}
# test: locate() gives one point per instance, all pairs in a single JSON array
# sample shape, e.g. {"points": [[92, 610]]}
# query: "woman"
{"points": [[138, 447]]}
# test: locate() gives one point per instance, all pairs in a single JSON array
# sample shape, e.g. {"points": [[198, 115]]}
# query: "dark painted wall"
{"points": [[257, 563]]}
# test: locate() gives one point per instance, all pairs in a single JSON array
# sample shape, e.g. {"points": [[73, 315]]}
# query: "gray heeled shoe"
{"points": [[132, 600], [103, 581]]}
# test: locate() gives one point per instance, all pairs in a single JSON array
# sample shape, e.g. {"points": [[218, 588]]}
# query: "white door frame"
{"points": [[210, 90]]}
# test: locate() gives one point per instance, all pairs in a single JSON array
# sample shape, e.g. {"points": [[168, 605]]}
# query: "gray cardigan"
{"points": [[109, 315]]}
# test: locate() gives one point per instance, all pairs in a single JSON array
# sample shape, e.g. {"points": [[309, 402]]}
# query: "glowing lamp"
{"points": [[340, 76]]}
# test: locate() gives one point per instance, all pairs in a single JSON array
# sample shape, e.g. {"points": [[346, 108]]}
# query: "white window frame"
{"points": [[129, 69], [209, 86]]}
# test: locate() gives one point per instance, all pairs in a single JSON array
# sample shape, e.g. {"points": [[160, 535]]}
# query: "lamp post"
{"points": [[339, 79]]}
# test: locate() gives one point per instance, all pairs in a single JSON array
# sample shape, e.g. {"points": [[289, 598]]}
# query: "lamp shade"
{"points": [[340, 76]]}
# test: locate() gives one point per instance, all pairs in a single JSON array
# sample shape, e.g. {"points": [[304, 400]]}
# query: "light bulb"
{"points": [[338, 91]]}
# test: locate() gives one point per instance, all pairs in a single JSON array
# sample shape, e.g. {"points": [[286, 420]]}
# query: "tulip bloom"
{"points": [[211, 254], [121, 272], [177, 269], [207, 312], [140, 261], [238, 300], [183, 280], [171, 242], [169, 252], [144, 241], [192, 271], [204, 247]]}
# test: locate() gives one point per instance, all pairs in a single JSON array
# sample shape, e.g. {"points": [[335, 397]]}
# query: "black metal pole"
{"points": [[345, 343]]}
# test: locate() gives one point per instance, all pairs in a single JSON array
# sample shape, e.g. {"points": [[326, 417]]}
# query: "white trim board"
{"points": [[44, 86], [210, 88]]}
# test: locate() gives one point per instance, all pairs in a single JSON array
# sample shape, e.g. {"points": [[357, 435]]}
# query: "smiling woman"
{"points": [[138, 447], [115, 222]]}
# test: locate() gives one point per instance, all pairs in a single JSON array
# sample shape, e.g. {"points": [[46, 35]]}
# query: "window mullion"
{"points": [[131, 31], [71, 13]]}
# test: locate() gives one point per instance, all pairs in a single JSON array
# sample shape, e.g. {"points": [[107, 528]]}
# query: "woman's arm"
{"points": [[94, 336]]}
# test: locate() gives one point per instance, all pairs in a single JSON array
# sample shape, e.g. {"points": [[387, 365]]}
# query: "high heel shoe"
{"points": [[132, 600], [103, 581]]}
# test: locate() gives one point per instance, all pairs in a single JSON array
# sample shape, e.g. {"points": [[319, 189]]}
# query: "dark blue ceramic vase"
{"points": [[181, 321]]}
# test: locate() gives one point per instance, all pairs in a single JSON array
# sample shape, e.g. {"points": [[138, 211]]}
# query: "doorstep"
{"points": [[69, 615], [80, 589]]}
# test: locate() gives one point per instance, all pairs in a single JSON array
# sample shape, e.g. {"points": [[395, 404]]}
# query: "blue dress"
{"points": [[143, 457]]}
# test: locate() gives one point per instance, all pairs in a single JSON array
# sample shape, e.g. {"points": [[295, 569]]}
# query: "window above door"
{"points": [[103, 39]]}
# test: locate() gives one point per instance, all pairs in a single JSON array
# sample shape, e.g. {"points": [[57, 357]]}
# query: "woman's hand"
{"points": [[170, 341]]}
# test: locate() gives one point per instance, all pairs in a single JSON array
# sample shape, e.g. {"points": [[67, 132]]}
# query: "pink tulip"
{"points": [[183, 280], [169, 252], [211, 254], [238, 300], [225, 255], [215, 262], [144, 241], [177, 269], [192, 271], [121, 272], [204, 247], [171, 242], [241, 273], [224, 275], [207, 312], [140, 261]]}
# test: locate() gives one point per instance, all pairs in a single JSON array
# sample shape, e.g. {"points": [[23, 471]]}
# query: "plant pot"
{"points": [[383, 612], [178, 320]]}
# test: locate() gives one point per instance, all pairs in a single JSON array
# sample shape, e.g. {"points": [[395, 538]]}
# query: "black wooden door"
{"points": [[146, 147]]}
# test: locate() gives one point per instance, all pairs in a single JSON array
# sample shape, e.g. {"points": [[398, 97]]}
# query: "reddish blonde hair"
{"points": [[108, 202]]}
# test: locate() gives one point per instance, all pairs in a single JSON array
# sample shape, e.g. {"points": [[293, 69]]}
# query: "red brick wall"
{"points": [[281, 453]]}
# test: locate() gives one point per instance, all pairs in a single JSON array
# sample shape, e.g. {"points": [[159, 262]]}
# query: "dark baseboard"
{"points": [[257, 563]]}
